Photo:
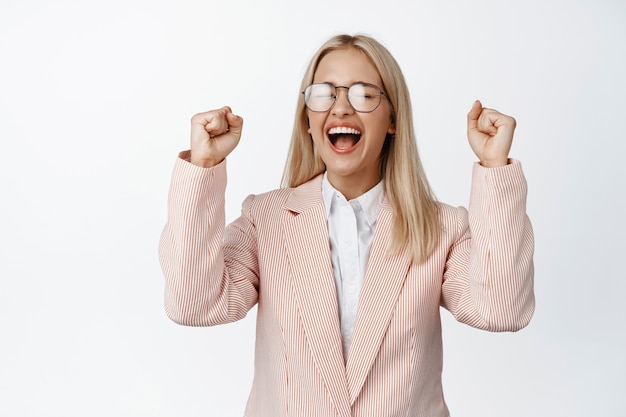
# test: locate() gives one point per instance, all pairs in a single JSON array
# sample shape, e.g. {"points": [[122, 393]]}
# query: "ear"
{"points": [[392, 125]]}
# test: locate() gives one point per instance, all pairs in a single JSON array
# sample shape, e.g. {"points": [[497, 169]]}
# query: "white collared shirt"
{"points": [[351, 226]]}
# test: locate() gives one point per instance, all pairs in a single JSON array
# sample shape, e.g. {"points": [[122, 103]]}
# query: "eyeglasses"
{"points": [[363, 97]]}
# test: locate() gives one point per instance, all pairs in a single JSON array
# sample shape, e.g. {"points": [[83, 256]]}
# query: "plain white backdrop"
{"points": [[95, 102]]}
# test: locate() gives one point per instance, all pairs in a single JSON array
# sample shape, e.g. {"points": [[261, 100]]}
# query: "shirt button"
{"points": [[351, 289], [349, 243]]}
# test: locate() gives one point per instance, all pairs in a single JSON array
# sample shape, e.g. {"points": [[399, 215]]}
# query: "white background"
{"points": [[95, 101]]}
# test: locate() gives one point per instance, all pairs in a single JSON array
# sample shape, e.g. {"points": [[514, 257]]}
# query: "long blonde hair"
{"points": [[416, 221]]}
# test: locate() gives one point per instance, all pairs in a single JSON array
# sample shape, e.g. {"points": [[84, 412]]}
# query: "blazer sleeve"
{"points": [[203, 287], [488, 276]]}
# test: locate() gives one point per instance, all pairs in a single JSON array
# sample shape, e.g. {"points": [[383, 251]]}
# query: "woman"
{"points": [[351, 260]]}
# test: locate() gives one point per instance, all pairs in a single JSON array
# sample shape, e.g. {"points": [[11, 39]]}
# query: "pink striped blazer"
{"points": [[277, 256]]}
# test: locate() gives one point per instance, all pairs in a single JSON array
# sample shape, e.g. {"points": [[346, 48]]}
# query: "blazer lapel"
{"points": [[307, 247], [384, 278]]}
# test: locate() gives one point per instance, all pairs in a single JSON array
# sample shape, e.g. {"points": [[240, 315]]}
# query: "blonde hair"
{"points": [[416, 221]]}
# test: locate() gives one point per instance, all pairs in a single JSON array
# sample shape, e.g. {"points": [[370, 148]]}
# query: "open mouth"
{"points": [[343, 137]]}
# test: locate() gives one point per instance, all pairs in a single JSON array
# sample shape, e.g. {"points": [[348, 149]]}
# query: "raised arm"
{"points": [[202, 288], [488, 280]]}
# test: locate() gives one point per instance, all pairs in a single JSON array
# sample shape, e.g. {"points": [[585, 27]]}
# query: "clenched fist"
{"points": [[490, 135], [214, 135]]}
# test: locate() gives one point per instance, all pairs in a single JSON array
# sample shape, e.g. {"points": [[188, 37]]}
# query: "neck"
{"points": [[352, 186]]}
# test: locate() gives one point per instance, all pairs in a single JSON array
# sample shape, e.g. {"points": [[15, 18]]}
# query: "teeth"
{"points": [[343, 130]]}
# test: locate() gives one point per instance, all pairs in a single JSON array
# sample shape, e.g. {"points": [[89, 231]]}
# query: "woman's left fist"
{"points": [[490, 134]]}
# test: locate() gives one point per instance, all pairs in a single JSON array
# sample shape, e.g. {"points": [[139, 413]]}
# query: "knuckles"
{"points": [[211, 115], [200, 118]]}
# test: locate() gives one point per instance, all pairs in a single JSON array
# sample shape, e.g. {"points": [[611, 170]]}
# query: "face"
{"points": [[350, 142]]}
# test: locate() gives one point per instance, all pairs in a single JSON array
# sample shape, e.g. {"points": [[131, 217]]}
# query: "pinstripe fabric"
{"points": [[277, 255]]}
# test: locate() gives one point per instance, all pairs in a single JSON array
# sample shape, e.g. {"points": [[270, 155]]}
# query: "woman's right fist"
{"points": [[214, 134]]}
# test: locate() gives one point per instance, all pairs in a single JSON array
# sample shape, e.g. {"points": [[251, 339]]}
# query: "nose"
{"points": [[342, 103]]}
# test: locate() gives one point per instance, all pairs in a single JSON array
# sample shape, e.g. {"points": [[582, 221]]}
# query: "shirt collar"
{"points": [[370, 201]]}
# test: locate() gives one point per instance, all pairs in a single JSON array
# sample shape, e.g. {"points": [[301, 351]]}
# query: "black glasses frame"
{"points": [[307, 93]]}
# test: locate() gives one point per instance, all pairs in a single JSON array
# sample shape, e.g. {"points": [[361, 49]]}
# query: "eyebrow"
{"points": [[349, 85]]}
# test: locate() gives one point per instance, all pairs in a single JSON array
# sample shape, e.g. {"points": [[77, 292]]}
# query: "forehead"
{"points": [[346, 66]]}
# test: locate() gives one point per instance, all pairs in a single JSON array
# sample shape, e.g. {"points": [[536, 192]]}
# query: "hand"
{"points": [[490, 134], [214, 135]]}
